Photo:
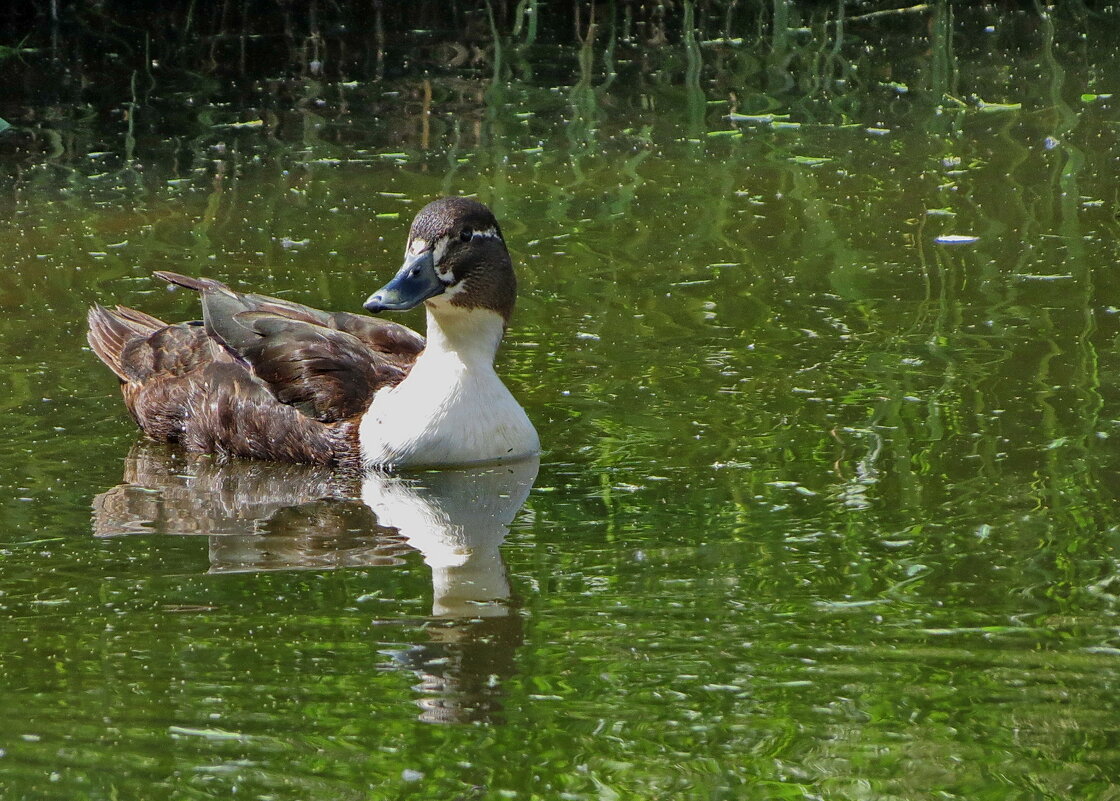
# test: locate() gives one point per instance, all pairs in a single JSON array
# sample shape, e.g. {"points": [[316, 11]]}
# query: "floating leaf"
{"points": [[810, 161], [994, 107], [955, 239], [1044, 277], [246, 124], [764, 118], [209, 734]]}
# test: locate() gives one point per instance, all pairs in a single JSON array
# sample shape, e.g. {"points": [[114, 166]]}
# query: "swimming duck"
{"points": [[265, 378]]}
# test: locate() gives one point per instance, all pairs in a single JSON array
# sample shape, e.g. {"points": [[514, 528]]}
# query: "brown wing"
{"points": [[181, 386], [258, 377], [325, 373], [326, 365], [220, 303]]}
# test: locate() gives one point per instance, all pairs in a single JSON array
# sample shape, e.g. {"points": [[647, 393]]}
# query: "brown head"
{"points": [[455, 255]]}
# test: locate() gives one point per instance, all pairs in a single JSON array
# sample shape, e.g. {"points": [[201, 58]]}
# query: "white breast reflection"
{"points": [[457, 519]]}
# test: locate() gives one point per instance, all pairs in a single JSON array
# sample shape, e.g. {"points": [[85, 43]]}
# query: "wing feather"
{"points": [[325, 373], [327, 365], [257, 376]]}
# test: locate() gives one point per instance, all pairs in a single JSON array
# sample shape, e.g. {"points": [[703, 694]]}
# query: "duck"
{"points": [[265, 378]]}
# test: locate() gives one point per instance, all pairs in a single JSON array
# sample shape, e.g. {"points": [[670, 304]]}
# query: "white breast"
{"points": [[452, 409]]}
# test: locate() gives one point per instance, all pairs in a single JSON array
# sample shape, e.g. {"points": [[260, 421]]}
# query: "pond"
{"points": [[819, 323]]}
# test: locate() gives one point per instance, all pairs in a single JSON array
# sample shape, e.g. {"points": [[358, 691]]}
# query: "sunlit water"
{"points": [[827, 507]]}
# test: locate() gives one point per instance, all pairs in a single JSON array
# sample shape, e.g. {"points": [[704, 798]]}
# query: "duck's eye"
{"points": [[465, 235]]}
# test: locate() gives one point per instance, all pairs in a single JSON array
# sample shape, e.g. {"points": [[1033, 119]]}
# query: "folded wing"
{"points": [[326, 365], [257, 376]]}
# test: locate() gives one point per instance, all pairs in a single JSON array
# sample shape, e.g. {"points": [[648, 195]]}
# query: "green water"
{"points": [[827, 507]]}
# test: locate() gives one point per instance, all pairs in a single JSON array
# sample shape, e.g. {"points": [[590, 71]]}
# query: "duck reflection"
{"points": [[457, 519], [263, 516]]}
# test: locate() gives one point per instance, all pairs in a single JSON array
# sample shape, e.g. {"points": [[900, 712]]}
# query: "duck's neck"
{"points": [[451, 408], [468, 337]]}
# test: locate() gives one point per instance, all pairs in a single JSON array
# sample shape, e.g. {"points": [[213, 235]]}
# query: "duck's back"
{"points": [[258, 377]]}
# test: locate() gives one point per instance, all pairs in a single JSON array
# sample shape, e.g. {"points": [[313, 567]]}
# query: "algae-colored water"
{"points": [[820, 330]]}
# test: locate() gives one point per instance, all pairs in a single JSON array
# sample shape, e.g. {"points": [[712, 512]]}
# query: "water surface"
{"points": [[817, 328]]}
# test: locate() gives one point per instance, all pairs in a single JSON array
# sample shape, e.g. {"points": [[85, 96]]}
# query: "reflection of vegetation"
{"points": [[199, 72]]}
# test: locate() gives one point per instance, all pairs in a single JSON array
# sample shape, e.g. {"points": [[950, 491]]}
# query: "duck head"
{"points": [[456, 256]]}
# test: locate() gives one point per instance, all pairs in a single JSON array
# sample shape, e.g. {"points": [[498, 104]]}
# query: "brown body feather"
{"points": [[259, 377]]}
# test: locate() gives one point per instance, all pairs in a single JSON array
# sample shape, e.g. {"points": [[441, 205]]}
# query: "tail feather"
{"points": [[189, 282], [111, 330], [142, 322]]}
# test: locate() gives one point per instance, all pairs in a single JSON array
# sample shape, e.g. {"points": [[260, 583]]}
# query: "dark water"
{"points": [[828, 506]]}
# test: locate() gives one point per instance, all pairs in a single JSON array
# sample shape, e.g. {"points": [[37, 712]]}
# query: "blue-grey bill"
{"points": [[416, 282]]}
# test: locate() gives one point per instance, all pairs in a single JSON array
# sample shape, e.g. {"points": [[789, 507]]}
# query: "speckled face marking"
{"points": [[445, 270]]}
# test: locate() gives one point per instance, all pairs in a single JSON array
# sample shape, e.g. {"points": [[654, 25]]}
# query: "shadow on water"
{"points": [[260, 516]]}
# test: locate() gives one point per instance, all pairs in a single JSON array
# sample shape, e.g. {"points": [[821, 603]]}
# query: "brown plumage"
{"points": [[258, 377]]}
